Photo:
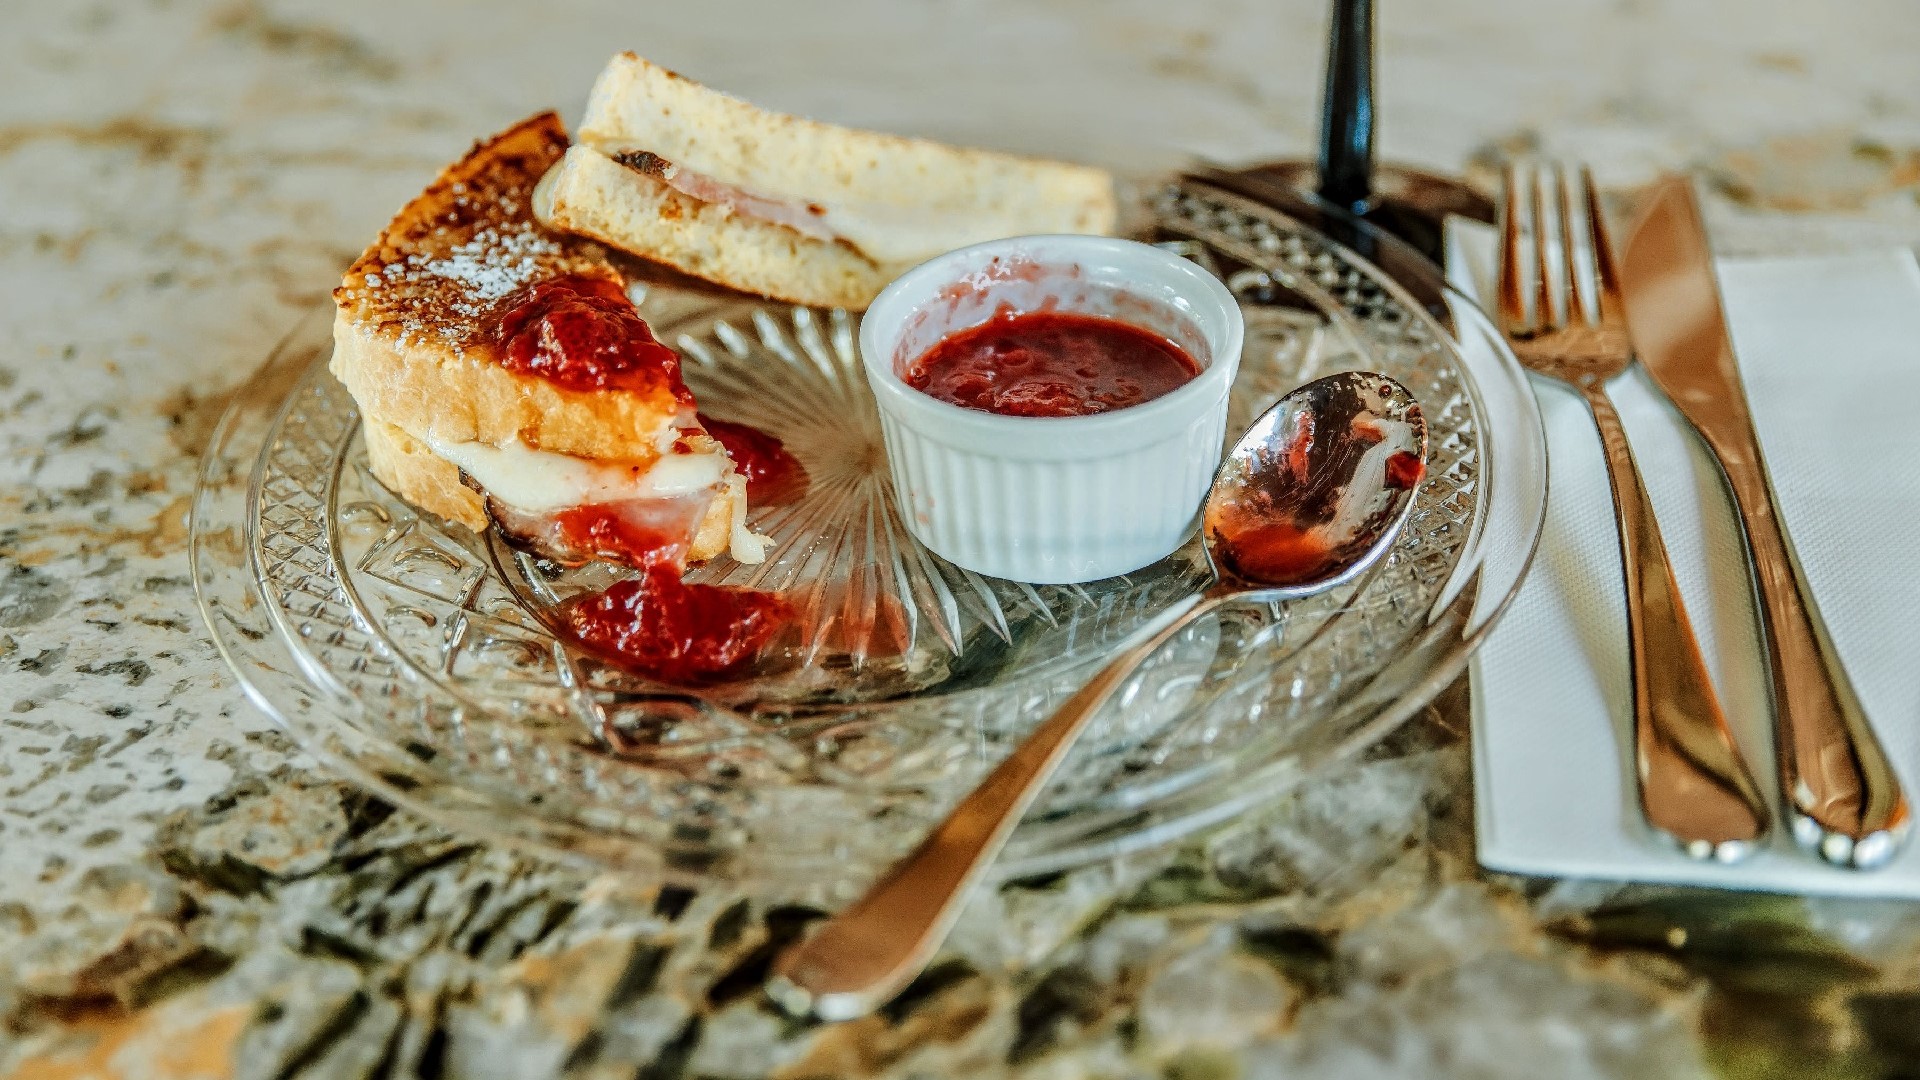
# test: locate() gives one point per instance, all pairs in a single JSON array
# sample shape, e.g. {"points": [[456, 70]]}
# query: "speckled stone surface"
{"points": [[181, 895]]}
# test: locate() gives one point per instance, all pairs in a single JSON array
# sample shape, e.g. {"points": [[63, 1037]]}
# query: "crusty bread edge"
{"points": [[591, 194], [639, 105], [465, 396], [419, 476]]}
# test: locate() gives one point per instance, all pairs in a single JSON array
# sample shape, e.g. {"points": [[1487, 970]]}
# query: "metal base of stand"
{"points": [[1400, 229], [1407, 203]]}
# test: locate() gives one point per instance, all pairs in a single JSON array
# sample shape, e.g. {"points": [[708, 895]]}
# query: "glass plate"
{"points": [[413, 656]]}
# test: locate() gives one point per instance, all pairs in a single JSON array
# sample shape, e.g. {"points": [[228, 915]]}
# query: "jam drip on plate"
{"points": [[773, 475], [657, 624], [583, 334], [1050, 363], [661, 626]]}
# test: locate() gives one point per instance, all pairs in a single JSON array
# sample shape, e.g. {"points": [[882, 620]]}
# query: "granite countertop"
{"points": [[182, 894]]}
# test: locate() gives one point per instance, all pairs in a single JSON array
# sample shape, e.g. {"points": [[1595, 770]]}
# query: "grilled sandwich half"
{"points": [[789, 208], [571, 471]]}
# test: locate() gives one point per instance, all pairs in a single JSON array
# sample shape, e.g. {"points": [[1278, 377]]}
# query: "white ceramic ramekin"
{"points": [[1053, 499]]}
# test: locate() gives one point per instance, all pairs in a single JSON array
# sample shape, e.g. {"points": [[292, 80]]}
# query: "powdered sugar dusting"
{"points": [[467, 245], [490, 267]]}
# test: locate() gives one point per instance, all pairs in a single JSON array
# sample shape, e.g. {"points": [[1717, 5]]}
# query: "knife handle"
{"points": [[1694, 785], [1843, 797]]}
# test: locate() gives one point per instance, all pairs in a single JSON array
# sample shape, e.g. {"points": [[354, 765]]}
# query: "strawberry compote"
{"points": [[583, 334], [1051, 363], [657, 624], [663, 627], [773, 474]]}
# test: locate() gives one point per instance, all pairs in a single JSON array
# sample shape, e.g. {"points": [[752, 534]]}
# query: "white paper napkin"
{"points": [[1830, 351]]}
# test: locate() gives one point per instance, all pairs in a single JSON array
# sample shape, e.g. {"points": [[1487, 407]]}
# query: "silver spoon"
{"points": [[1312, 495]]}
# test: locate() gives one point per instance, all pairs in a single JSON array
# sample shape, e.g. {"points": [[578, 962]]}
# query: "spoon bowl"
{"points": [[1311, 496], [1316, 490]]}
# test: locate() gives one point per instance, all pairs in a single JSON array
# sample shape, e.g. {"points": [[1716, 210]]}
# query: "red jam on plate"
{"points": [[657, 624], [583, 334], [661, 626], [773, 474], [1051, 363]]}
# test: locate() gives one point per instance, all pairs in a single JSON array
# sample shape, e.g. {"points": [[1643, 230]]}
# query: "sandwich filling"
{"points": [[887, 235], [531, 493], [478, 344], [583, 334]]}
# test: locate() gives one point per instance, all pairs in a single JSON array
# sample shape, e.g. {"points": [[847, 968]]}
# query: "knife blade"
{"points": [[1843, 798]]}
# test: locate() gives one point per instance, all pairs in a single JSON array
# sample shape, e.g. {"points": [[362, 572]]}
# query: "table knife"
{"points": [[1842, 796]]}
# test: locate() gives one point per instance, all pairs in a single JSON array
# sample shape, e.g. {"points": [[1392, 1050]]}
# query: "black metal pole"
{"points": [[1346, 109]]}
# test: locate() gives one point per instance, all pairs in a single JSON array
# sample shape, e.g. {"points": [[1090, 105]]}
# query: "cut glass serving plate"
{"points": [[413, 655]]}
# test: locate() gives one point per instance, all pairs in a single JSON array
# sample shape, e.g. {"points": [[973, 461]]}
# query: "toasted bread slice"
{"points": [[818, 213], [413, 333], [624, 205], [415, 342], [420, 476]]}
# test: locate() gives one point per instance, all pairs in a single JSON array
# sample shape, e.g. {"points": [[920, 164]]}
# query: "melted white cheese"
{"points": [[542, 482], [747, 546], [539, 480]]}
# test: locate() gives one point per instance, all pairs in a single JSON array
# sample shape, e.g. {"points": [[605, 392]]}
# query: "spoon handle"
{"points": [[870, 950], [1694, 785]]}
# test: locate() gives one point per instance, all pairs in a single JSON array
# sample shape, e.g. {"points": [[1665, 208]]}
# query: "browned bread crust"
{"points": [[416, 313], [593, 195], [637, 105], [884, 202]]}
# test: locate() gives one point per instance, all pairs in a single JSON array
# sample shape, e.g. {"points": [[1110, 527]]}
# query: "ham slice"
{"points": [[805, 218]]}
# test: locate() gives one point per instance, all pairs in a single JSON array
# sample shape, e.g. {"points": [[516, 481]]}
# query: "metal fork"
{"points": [[1694, 786]]}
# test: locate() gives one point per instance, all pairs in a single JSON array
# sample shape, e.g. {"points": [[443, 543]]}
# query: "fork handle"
{"points": [[1694, 785]]}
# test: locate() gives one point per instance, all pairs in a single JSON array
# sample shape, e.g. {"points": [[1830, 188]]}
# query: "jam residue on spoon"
{"points": [[1405, 469], [1268, 531], [1253, 537]]}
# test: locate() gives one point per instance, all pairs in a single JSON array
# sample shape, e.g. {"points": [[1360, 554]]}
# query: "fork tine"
{"points": [[1513, 302], [1606, 272], [1545, 316], [1576, 307]]}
